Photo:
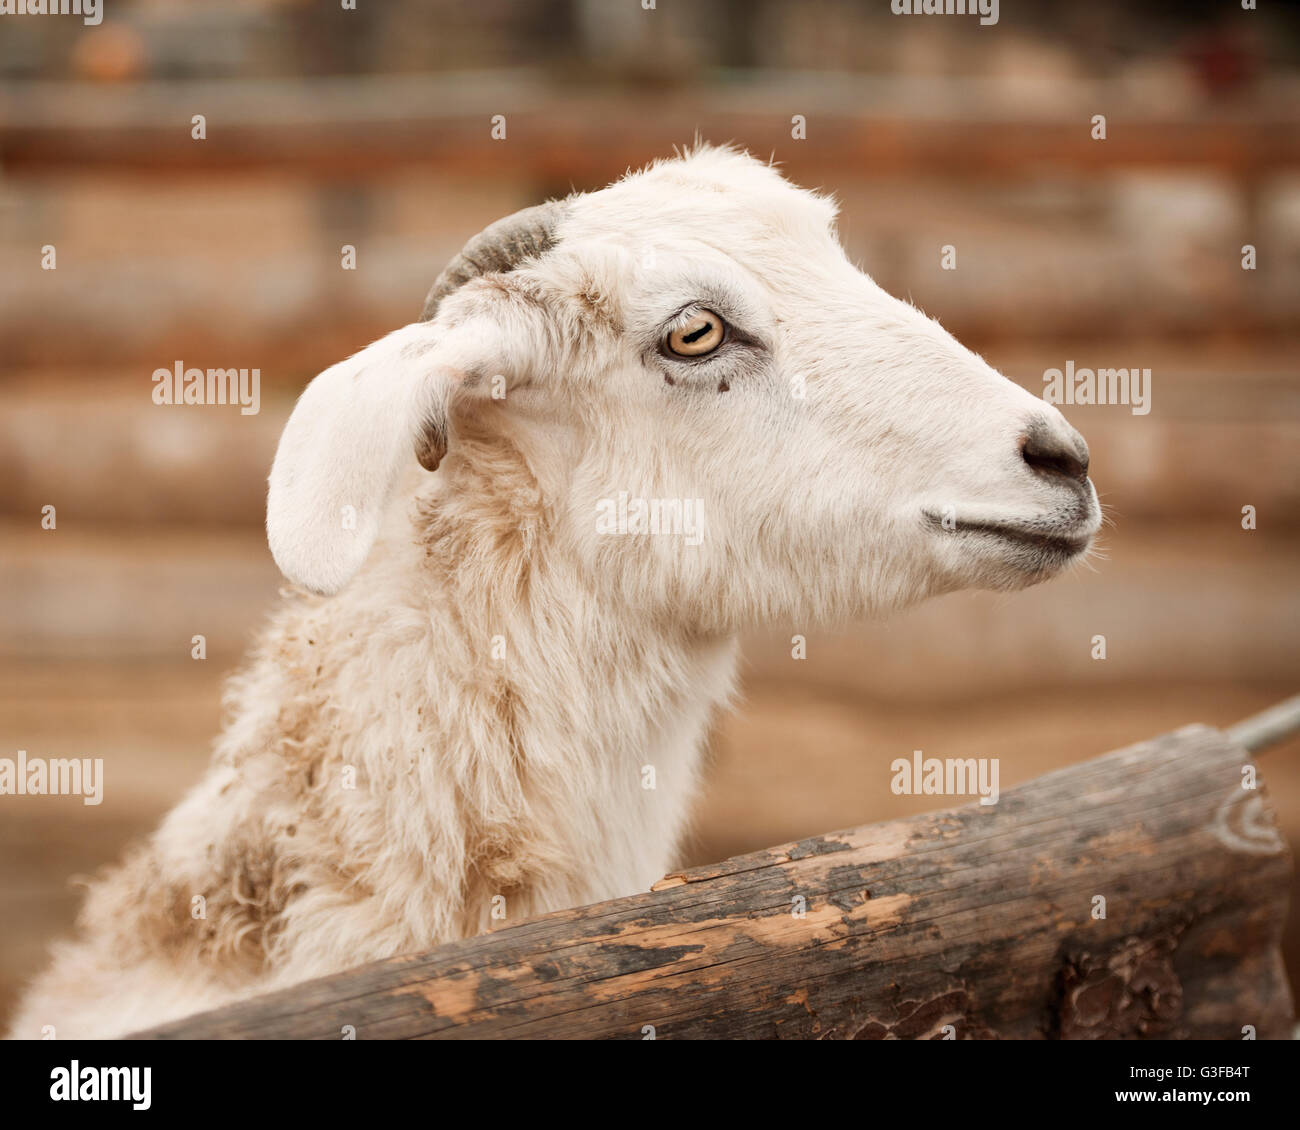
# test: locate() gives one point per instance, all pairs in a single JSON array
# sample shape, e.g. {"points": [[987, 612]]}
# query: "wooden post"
{"points": [[1141, 894]]}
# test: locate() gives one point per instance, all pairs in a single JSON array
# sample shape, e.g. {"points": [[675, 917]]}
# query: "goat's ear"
{"points": [[352, 432]]}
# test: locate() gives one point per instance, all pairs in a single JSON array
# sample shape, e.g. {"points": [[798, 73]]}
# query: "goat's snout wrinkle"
{"points": [[1055, 450]]}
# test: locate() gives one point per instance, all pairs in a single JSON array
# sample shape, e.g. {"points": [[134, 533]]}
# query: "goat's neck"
{"points": [[609, 707]]}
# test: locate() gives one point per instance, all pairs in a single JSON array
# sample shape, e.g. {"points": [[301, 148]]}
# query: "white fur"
{"points": [[496, 676]]}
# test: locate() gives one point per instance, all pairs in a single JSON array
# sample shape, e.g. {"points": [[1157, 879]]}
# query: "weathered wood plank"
{"points": [[979, 918]]}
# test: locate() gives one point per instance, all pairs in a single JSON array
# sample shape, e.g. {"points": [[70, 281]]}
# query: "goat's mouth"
{"points": [[1066, 543], [1037, 545]]}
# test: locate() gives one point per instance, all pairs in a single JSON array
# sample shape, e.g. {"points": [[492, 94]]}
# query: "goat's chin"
{"points": [[1022, 567]]}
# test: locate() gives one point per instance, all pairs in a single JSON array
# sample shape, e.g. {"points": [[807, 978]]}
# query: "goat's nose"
{"points": [[1055, 450]]}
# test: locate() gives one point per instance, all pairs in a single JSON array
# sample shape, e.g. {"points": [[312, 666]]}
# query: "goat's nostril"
{"points": [[1049, 451]]}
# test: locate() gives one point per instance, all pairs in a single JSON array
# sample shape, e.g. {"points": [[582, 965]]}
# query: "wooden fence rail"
{"points": [[1140, 894], [354, 129]]}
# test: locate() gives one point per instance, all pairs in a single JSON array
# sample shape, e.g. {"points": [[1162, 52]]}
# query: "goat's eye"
{"points": [[702, 334]]}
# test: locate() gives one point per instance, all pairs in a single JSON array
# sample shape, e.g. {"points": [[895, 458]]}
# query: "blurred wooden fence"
{"points": [[356, 128]]}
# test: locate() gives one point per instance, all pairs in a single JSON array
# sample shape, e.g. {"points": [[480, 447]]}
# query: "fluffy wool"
{"points": [[469, 718]]}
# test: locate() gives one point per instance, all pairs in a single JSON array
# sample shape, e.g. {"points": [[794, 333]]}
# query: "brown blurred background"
{"points": [[372, 128]]}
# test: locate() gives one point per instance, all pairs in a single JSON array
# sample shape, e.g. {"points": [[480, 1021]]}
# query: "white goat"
{"points": [[460, 717]]}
